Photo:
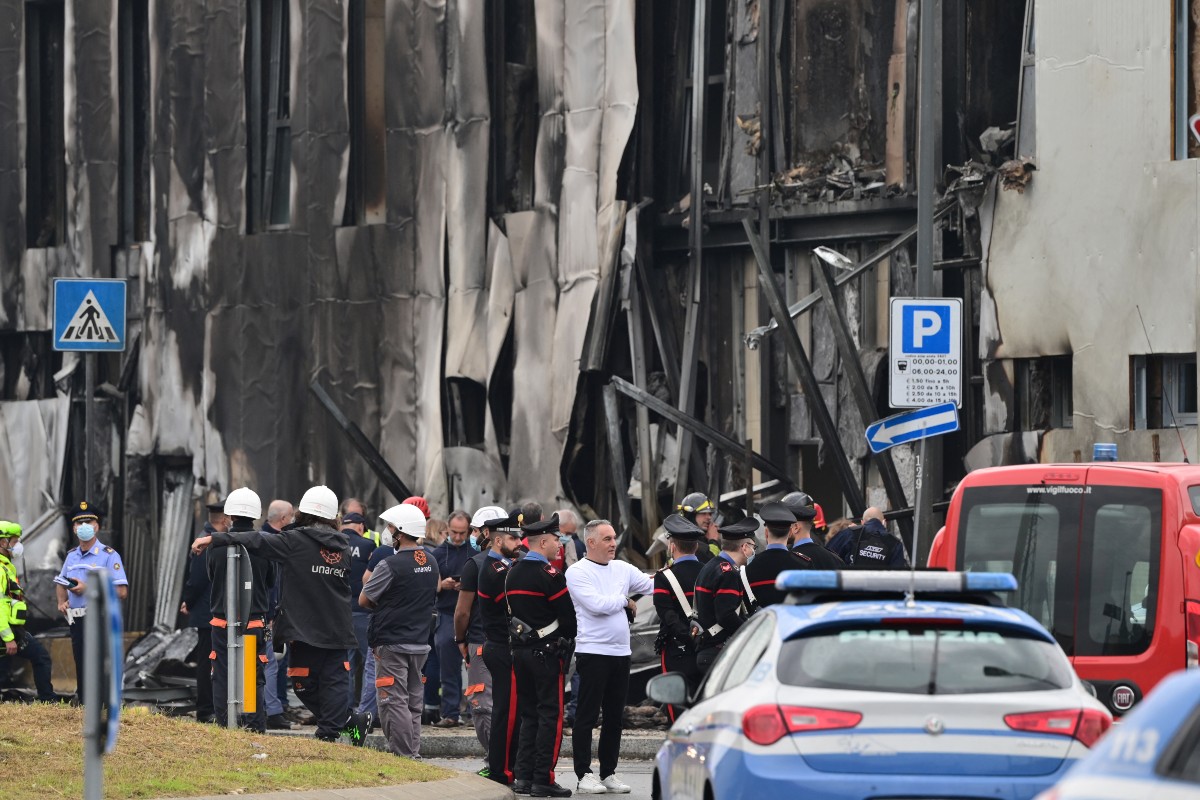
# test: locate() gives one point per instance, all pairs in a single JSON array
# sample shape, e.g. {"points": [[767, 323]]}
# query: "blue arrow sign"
{"points": [[89, 314], [912, 425]]}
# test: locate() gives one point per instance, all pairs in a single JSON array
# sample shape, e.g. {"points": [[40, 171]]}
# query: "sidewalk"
{"points": [[461, 787], [636, 745]]}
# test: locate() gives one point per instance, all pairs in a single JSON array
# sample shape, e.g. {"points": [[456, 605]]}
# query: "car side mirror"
{"points": [[670, 688]]}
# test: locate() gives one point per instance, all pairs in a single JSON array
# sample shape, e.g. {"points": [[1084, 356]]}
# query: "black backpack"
{"points": [[872, 550]]}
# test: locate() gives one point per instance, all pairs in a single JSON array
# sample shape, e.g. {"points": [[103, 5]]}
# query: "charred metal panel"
{"points": [[836, 88]]}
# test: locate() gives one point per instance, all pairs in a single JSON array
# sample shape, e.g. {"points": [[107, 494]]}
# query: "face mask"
{"points": [[564, 539], [86, 532], [385, 538], [18, 548], [475, 543]]}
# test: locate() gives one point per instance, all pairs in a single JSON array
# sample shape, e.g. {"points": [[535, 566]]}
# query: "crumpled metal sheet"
{"points": [[32, 458]]}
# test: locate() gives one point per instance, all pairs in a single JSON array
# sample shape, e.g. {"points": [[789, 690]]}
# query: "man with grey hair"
{"points": [[600, 587], [568, 537], [279, 516]]}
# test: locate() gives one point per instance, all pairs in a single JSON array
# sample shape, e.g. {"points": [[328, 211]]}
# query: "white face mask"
{"points": [[18, 548]]}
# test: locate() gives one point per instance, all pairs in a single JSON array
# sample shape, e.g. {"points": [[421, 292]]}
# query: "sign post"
{"points": [[103, 679], [89, 316]]}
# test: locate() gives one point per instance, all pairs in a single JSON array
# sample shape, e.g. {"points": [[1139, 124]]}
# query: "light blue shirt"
{"points": [[79, 565], [536, 557], [805, 540], [682, 559], [777, 546], [727, 557], [500, 558]]}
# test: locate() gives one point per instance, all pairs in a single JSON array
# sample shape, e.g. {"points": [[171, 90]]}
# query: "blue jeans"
{"points": [[449, 666], [368, 700], [432, 672], [271, 690]]}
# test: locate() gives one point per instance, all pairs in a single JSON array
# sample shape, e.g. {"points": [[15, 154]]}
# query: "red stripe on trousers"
{"points": [[558, 732], [670, 708], [512, 722]]}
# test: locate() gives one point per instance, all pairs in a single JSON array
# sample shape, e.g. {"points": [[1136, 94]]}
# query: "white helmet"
{"points": [[407, 518], [320, 501], [243, 502], [486, 514]]}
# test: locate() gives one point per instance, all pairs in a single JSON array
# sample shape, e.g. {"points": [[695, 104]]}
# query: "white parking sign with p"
{"points": [[925, 351]]}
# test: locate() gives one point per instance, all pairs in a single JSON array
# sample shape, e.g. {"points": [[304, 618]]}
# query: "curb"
{"points": [[634, 747], [460, 787]]}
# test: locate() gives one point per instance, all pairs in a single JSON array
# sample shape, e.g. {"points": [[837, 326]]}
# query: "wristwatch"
{"points": [[460, 641]]}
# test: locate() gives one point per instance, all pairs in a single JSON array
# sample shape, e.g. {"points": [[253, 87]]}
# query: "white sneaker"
{"points": [[614, 785], [589, 785]]}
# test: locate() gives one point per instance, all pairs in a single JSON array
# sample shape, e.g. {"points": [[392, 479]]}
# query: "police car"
{"points": [[861, 689], [1154, 752]]}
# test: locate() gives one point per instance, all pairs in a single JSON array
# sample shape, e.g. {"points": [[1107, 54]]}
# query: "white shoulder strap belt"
{"points": [[679, 593], [746, 586]]}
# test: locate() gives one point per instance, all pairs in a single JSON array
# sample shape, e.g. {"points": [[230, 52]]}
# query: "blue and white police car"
{"points": [[880, 685], [1154, 752]]}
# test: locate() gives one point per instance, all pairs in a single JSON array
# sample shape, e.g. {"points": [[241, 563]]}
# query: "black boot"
{"points": [[549, 790], [520, 787]]}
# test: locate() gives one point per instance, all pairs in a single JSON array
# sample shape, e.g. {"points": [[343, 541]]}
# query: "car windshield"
{"points": [[923, 659], [1086, 558]]}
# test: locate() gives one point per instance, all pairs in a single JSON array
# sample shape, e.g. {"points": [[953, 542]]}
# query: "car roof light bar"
{"points": [[895, 581]]}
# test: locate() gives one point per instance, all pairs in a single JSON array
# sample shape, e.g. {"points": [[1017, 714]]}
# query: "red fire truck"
{"points": [[1106, 555]]}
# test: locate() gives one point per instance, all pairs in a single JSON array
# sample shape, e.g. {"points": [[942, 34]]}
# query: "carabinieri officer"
{"points": [[674, 589], [542, 632], [720, 594], [71, 581]]}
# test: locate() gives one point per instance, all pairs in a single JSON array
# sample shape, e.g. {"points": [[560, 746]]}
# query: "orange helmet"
{"points": [[420, 503]]}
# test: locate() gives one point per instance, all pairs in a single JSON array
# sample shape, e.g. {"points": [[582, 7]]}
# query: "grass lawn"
{"points": [[41, 756]]}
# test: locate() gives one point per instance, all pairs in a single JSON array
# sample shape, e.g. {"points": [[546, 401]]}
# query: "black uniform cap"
{"points": [[83, 510], [217, 507], [538, 528], [678, 527], [777, 514], [509, 524], [801, 505], [742, 529]]}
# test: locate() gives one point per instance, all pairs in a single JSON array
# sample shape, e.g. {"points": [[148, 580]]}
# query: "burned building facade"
{"points": [[511, 246]]}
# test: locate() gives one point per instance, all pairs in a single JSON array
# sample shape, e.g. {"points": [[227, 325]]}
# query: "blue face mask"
{"points": [[86, 532], [475, 543], [564, 539]]}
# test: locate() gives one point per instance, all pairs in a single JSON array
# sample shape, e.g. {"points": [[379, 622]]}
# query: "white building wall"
{"points": [[1107, 226]]}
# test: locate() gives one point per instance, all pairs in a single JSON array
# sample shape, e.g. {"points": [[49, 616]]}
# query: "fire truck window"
{"points": [[1021, 538], [1194, 496]]}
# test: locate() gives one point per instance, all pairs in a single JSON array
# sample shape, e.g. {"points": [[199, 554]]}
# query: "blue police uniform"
{"points": [[79, 565]]}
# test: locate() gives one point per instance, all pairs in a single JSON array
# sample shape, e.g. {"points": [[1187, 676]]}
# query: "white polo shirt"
{"points": [[600, 593]]}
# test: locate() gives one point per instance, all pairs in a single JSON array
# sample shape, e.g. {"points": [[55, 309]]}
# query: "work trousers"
{"points": [[359, 656], [76, 628], [219, 658], [319, 677], [505, 724], [539, 676], [449, 667], [603, 684], [401, 695], [31, 650], [479, 693], [204, 692], [683, 661]]}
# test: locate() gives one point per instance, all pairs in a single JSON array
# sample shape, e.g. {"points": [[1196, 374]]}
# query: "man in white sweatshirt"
{"points": [[600, 588]]}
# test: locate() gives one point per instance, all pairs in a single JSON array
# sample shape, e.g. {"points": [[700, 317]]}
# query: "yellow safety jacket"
{"points": [[12, 600]]}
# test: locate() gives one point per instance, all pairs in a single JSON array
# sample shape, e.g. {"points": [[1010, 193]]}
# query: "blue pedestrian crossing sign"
{"points": [[912, 425], [89, 314]]}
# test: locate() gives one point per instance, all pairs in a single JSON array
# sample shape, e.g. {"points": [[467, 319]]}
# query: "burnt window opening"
{"points": [[464, 411], [366, 186], [28, 362], [500, 396], [1163, 389], [268, 116], [1044, 387], [1186, 51], [511, 37], [45, 138], [716, 35], [134, 45]]}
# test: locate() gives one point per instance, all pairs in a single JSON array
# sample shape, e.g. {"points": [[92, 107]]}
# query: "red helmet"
{"points": [[420, 503]]}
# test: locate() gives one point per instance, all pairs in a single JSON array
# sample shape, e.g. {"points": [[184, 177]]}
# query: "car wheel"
{"points": [[708, 792]]}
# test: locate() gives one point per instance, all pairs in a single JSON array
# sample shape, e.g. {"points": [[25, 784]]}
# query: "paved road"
{"points": [[635, 773]]}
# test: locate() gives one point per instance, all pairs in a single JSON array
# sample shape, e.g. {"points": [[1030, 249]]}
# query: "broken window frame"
{"points": [[1155, 378], [134, 103], [29, 355], [1055, 397], [268, 115], [45, 117], [366, 178]]}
